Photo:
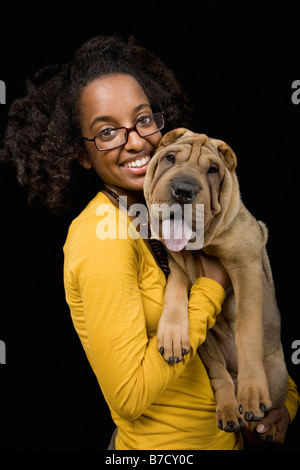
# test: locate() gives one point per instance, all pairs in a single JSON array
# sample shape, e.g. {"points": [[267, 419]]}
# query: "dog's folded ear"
{"points": [[226, 153], [172, 136]]}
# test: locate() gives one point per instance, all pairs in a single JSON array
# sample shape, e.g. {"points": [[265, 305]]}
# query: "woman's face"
{"points": [[109, 102]]}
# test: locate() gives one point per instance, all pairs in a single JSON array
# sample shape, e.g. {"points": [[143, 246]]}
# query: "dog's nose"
{"points": [[184, 191]]}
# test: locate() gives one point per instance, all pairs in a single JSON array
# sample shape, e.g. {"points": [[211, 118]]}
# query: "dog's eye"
{"points": [[213, 169], [170, 157]]}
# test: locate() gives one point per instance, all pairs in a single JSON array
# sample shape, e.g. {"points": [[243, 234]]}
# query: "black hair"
{"points": [[42, 136]]}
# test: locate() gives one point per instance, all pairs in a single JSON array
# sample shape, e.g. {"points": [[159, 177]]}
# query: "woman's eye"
{"points": [[107, 134], [145, 121]]}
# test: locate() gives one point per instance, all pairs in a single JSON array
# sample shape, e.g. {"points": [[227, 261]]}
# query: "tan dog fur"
{"points": [[243, 352]]}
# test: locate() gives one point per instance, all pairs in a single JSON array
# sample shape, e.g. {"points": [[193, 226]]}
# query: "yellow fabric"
{"points": [[292, 400], [115, 292]]}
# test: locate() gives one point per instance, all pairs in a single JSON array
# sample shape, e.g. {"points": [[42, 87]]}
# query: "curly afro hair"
{"points": [[43, 134]]}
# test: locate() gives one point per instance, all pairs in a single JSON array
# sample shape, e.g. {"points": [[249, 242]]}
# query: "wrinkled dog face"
{"points": [[185, 175]]}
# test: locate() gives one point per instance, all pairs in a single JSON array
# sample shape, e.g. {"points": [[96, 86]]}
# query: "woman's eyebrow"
{"points": [[101, 118], [111, 118], [142, 106]]}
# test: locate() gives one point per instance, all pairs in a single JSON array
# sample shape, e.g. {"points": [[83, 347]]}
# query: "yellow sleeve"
{"points": [[292, 400], [210, 295], [104, 274]]}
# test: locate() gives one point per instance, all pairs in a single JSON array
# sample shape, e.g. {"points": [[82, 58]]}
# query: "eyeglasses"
{"points": [[114, 137]]}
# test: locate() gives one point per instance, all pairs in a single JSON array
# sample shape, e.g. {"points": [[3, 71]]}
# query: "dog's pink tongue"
{"points": [[176, 233]]}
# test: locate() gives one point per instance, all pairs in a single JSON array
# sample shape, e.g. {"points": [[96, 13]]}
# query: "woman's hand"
{"points": [[279, 417], [211, 267]]}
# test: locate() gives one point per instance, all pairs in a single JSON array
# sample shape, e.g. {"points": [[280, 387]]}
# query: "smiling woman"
{"points": [[125, 137], [102, 112], [45, 129]]}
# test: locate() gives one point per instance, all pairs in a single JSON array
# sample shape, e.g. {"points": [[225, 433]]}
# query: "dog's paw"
{"points": [[173, 336], [228, 419], [253, 398]]}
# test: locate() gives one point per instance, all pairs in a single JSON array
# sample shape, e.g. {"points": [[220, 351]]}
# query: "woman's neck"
{"points": [[133, 197]]}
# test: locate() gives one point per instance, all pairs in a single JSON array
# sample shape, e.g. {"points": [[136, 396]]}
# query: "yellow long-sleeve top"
{"points": [[115, 290]]}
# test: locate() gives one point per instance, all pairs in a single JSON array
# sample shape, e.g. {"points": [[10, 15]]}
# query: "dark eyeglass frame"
{"points": [[128, 130]]}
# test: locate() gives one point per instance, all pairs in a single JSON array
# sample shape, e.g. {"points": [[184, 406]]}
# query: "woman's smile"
{"points": [[139, 163]]}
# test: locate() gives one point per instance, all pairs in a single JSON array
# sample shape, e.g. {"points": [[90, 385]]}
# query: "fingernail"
{"points": [[176, 359], [171, 360], [161, 350], [183, 351], [260, 428]]}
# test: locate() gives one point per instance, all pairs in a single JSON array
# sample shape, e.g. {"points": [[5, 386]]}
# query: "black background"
{"points": [[237, 61]]}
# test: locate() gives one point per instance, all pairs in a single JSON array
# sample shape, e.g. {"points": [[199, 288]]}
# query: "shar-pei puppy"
{"points": [[242, 352]]}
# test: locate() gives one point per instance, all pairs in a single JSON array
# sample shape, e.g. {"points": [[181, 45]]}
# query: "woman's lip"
{"points": [[137, 170], [145, 153]]}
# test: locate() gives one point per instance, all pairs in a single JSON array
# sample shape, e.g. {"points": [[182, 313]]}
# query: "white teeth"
{"points": [[138, 163]]}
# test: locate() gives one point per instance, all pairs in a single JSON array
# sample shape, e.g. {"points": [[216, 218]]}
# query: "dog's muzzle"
{"points": [[184, 191]]}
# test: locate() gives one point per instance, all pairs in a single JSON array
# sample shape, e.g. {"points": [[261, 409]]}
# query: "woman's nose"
{"points": [[134, 141]]}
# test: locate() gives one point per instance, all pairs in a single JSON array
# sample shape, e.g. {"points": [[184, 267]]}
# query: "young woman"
{"points": [[107, 110]]}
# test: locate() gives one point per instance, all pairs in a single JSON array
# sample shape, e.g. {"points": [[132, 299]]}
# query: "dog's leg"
{"points": [[173, 328], [253, 392], [211, 353], [277, 376], [274, 362]]}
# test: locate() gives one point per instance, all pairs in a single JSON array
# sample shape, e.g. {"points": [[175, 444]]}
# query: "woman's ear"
{"points": [[84, 162]]}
